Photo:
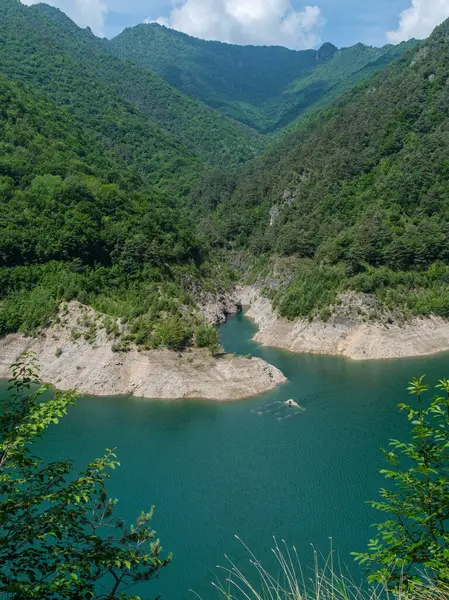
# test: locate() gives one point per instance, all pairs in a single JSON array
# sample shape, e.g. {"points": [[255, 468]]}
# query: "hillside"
{"points": [[78, 223], [355, 198], [101, 201], [264, 87], [41, 46], [317, 89]]}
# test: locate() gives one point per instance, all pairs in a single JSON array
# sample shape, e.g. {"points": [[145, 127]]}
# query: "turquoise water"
{"points": [[252, 468]]}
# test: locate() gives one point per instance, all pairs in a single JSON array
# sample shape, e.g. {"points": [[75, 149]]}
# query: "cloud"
{"points": [[85, 13], [259, 22], [420, 20]]}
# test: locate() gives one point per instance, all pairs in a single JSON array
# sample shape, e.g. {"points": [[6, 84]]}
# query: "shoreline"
{"points": [[346, 333], [223, 379], [93, 368]]}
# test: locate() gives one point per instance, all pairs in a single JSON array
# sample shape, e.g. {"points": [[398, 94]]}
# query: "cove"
{"points": [[252, 468]]}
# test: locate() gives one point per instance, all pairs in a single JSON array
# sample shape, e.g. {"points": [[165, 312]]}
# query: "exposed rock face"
{"points": [[71, 362], [346, 333], [215, 310], [421, 55], [274, 214]]}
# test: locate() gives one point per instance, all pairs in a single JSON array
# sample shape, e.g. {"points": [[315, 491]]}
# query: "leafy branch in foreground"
{"points": [[58, 536], [414, 540]]}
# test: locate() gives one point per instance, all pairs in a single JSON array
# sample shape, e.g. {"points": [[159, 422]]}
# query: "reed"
{"points": [[289, 580]]}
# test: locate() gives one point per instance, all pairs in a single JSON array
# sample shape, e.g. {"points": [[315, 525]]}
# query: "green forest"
{"points": [[78, 223], [147, 175], [266, 88], [359, 192], [132, 109], [137, 198]]}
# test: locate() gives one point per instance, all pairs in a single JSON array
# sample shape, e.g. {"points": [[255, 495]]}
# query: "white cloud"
{"points": [[260, 22], [85, 13], [420, 20]]}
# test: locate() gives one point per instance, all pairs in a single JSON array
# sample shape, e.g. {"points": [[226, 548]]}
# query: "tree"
{"points": [[207, 336], [173, 333], [58, 536], [415, 537]]}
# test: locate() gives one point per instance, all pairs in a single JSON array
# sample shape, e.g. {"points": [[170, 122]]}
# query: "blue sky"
{"points": [[367, 21], [292, 23], [346, 21]]}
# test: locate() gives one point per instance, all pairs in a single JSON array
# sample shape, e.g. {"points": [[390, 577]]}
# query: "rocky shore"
{"points": [[215, 310], [92, 367], [352, 330]]}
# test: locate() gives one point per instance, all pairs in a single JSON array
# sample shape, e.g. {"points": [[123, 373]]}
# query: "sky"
{"points": [[292, 23]]}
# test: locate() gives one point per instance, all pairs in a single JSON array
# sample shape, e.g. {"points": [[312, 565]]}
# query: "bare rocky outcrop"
{"points": [[215, 309], [76, 352], [357, 329]]}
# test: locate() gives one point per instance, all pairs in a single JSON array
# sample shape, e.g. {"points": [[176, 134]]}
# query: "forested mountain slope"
{"points": [[77, 222], [126, 105], [101, 202], [347, 68], [359, 193], [264, 87]]}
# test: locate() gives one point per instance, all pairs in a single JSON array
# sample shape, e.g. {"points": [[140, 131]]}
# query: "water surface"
{"points": [[252, 468]]}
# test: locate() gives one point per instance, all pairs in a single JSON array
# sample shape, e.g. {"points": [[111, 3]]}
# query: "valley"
{"points": [[145, 200], [227, 264]]}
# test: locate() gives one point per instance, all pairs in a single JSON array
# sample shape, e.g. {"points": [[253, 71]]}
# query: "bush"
{"points": [[313, 288], [120, 347], [173, 333], [207, 336], [413, 540]]}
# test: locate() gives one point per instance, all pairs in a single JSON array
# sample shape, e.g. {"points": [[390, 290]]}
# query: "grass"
{"points": [[290, 581]]}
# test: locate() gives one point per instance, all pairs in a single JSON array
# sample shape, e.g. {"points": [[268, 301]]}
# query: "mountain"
{"points": [[264, 87], [357, 194], [329, 80], [135, 109], [77, 221], [92, 191], [119, 190]]}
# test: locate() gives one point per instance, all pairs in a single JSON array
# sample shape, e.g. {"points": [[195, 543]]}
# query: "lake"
{"points": [[254, 468]]}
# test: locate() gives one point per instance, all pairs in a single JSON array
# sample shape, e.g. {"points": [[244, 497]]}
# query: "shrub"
{"points": [[59, 536], [314, 288], [120, 347], [207, 336], [173, 333], [415, 536]]}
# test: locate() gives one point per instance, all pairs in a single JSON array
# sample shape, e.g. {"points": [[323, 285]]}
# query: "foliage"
{"points": [[362, 185], [173, 333], [58, 535], [347, 68], [77, 223], [92, 192], [310, 288], [101, 200], [207, 336], [66, 196], [264, 87], [144, 120], [313, 289], [416, 532]]}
